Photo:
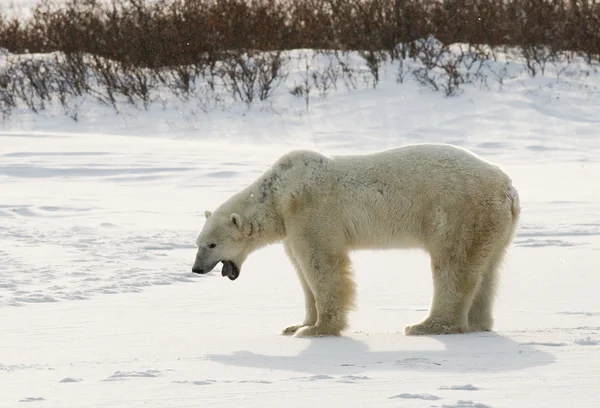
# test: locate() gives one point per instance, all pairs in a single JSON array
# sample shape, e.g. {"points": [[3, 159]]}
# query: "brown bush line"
{"points": [[168, 33], [218, 51]]}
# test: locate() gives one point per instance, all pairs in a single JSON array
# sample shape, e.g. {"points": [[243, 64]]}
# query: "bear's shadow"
{"points": [[481, 352]]}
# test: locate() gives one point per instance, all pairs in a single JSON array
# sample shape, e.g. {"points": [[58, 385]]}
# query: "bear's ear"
{"points": [[207, 214], [246, 227], [236, 219]]}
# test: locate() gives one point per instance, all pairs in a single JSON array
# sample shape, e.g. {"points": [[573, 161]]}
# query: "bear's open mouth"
{"points": [[230, 270]]}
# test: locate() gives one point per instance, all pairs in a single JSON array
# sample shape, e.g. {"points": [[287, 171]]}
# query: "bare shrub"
{"points": [[536, 57], [182, 79], [7, 95], [447, 68], [31, 82], [138, 84], [113, 78], [123, 50], [325, 76], [107, 82], [403, 71], [161, 33], [70, 81], [374, 60], [251, 75], [430, 54], [72, 69], [499, 74], [349, 73], [303, 89], [320, 71]]}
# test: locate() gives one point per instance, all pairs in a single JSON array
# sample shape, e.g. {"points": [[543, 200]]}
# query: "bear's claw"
{"points": [[288, 331]]}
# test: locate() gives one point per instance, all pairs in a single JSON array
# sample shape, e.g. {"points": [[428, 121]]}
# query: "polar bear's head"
{"points": [[223, 239]]}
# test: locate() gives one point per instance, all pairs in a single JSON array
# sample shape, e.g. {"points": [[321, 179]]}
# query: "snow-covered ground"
{"points": [[99, 308]]}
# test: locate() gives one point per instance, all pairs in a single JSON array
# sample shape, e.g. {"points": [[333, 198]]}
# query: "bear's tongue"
{"points": [[230, 270]]}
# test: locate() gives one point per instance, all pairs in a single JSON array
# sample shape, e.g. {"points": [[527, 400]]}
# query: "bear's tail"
{"points": [[513, 196], [515, 206]]}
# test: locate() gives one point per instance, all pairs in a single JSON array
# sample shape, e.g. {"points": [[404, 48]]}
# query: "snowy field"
{"points": [[98, 218]]}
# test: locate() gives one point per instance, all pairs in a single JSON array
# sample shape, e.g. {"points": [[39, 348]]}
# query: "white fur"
{"points": [[446, 200]]}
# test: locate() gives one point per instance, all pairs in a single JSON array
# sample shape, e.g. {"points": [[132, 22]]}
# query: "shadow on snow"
{"points": [[487, 352]]}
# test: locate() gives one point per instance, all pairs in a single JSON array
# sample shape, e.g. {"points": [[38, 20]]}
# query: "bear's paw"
{"points": [[317, 331], [433, 327]]}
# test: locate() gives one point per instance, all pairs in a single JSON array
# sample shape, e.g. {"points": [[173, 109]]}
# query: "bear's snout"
{"points": [[201, 266]]}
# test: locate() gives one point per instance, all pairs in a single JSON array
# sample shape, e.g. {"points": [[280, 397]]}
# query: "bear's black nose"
{"points": [[197, 270]]}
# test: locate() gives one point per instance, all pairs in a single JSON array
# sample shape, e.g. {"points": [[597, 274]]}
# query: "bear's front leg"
{"points": [[309, 299], [311, 309], [327, 272]]}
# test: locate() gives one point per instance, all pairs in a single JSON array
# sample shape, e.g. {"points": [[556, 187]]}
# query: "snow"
{"points": [[98, 220]]}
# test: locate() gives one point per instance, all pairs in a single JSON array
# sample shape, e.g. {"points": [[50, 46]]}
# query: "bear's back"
{"points": [[395, 195]]}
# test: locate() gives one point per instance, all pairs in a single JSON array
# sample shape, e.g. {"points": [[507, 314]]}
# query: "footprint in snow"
{"points": [[588, 341], [70, 380], [207, 382], [222, 174], [492, 145], [313, 377], [547, 344], [537, 243], [353, 378], [123, 375], [589, 314], [416, 362], [32, 399], [318, 377], [466, 387], [427, 397], [466, 404]]}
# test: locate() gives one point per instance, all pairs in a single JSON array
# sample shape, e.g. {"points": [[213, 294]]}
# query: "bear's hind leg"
{"points": [[328, 273], [309, 299], [455, 284], [480, 314]]}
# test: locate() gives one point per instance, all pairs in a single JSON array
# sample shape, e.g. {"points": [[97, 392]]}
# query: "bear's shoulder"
{"points": [[300, 159]]}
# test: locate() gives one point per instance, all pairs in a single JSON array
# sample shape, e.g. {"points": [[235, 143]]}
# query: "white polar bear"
{"points": [[446, 200]]}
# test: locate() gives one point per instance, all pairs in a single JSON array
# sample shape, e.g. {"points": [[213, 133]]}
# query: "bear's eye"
{"points": [[212, 245]]}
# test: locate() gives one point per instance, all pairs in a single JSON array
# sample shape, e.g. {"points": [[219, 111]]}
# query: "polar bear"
{"points": [[443, 199]]}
